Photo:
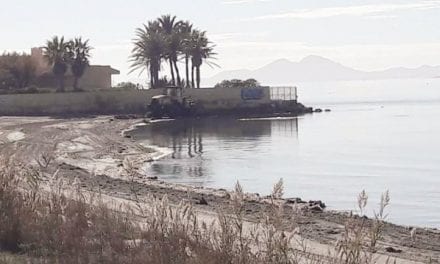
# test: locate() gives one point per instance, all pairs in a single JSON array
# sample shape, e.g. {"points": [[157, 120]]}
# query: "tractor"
{"points": [[172, 104]]}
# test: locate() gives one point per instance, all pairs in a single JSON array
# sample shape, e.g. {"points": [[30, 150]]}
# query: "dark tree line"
{"points": [[236, 83], [17, 71]]}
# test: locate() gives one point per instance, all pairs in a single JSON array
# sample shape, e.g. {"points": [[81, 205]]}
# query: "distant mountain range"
{"points": [[316, 68]]}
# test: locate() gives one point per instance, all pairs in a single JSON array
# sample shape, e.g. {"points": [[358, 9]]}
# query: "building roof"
{"points": [[44, 68], [110, 69]]}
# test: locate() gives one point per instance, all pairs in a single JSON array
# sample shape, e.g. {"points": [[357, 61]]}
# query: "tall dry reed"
{"points": [[51, 222]]}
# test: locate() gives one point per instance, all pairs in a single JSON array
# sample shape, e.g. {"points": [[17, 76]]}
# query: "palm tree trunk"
{"points": [[192, 76], [173, 80], [75, 83], [187, 71], [60, 83], [151, 78], [177, 73], [198, 76], [156, 77]]}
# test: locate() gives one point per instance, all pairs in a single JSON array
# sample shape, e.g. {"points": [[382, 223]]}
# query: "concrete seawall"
{"points": [[219, 100], [98, 102]]}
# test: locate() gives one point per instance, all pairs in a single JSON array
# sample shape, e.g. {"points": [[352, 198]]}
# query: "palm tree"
{"points": [[185, 30], [80, 53], [175, 47], [168, 39], [201, 50], [148, 51], [170, 29], [56, 53]]}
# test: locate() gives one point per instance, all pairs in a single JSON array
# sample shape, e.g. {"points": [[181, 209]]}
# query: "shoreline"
{"points": [[102, 161], [163, 152]]}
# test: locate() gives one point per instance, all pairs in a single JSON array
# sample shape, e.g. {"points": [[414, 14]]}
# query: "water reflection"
{"points": [[391, 143], [196, 145], [286, 127]]}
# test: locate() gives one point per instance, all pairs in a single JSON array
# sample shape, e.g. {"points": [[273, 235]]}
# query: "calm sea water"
{"points": [[380, 135]]}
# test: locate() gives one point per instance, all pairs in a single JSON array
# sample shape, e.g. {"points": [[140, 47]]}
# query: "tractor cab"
{"points": [[171, 104]]}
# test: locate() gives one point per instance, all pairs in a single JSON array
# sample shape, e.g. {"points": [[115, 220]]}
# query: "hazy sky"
{"points": [[366, 35]]}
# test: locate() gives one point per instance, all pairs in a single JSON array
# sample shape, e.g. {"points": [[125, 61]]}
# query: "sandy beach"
{"points": [[101, 154]]}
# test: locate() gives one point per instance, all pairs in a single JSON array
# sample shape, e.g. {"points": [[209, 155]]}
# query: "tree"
{"points": [[56, 52], [173, 40], [148, 51], [79, 53], [168, 39], [186, 29], [201, 49], [16, 70], [127, 86], [235, 83]]}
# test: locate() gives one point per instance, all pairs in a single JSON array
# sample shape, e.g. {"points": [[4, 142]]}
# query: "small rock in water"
{"points": [[328, 110], [152, 178], [316, 208], [318, 110], [294, 201], [319, 203]]}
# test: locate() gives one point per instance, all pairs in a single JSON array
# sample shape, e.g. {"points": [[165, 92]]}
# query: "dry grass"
{"points": [[359, 240], [59, 224]]}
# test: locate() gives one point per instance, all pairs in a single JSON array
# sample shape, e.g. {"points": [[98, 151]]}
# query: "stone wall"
{"points": [[222, 98], [99, 102], [121, 102]]}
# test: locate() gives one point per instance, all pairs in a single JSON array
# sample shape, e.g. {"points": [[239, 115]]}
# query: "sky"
{"points": [[366, 35]]}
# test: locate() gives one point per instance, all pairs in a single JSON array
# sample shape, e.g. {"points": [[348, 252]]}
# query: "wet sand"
{"points": [[100, 153]]}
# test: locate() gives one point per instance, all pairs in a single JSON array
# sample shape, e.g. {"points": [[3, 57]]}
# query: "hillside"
{"points": [[316, 68]]}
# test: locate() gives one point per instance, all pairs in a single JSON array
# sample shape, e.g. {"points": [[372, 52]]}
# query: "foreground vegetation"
{"points": [[46, 221]]}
